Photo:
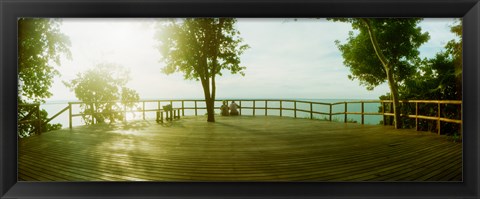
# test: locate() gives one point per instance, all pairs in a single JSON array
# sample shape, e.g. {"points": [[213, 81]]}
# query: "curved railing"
{"points": [[310, 108]]}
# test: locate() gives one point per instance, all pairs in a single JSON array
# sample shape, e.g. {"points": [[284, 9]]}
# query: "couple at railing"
{"points": [[233, 109]]}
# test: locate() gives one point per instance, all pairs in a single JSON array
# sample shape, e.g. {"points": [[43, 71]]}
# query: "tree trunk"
{"points": [[210, 95], [396, 104], [210, 110], [209, 102], [389, 72]]}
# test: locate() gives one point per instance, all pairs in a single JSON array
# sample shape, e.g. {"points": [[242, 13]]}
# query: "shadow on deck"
{"points": [[242, 148]]}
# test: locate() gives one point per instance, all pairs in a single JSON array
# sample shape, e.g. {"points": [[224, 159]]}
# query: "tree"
{"points": [[385, 49], [100, 88], [437, 78], [40, 47], [454, 48], [201, 48]]}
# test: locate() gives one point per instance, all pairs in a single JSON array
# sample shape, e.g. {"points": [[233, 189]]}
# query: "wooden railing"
{"points": [[296, 107], [438, 117], [32, 116]]}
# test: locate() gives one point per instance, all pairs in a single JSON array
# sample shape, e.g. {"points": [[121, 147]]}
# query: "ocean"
{"points": [[53, 107]]}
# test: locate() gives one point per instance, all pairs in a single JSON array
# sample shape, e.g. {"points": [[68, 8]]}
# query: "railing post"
{"points": [[390, 108], [345, 120], [183, 108], [70, 115], [363, 109], [311, 110], [438, 120], [195, 107], [266, 107], [281, 108], [171, 114], [253, 107], [295, 109], [330, 115], [240, 108], [416, 116], [159, 108], [383, 114], [143, 108]]}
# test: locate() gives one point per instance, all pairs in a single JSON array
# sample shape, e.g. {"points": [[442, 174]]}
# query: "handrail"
{"points": [[56, 115], [255, 107], [36, 122], [438, 117]]}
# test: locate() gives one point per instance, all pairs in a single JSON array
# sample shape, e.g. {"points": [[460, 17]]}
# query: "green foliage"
{"points": [[399, 40], [129, 96], [438, 78], [385, 49], [100, 88], [28, 129], [46, 126], [201, 48], [434, 79], [40, 46], [454, 48]]}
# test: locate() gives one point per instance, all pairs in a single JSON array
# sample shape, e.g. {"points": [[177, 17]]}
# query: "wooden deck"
{"points": [[245, 148]]}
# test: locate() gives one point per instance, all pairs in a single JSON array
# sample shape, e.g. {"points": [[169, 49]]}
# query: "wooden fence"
{"points": [[438, 117], [261, 106], [30, 116]]}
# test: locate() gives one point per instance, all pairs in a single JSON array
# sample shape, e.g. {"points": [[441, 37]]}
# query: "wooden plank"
{"points": [[42, 173], [66, 172], [458, 102], [111, 170], [444, 169], [243, 148], [365, 113], [398, 166], [363, 168]]}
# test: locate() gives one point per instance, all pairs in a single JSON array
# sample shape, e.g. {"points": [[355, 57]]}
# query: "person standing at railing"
{"points": [[224, 109], [233, 108]]}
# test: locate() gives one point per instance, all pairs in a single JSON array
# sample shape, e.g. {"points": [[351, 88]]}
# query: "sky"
{"points": [[286, 59]]}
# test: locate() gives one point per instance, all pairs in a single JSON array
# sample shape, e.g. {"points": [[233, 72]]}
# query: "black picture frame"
{"points": [[10, 10]]}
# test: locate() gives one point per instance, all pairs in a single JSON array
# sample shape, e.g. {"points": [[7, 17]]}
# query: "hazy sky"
{"points": [[287, 59]]}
